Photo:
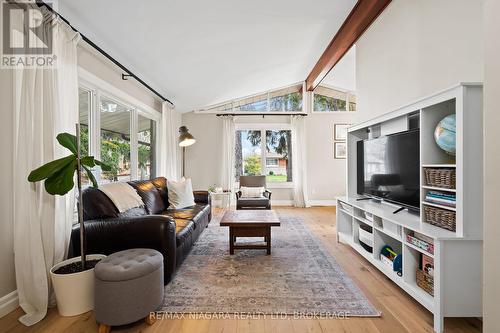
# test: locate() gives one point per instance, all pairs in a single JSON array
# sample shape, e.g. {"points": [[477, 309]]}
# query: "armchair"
{"points": [[262, 202]]}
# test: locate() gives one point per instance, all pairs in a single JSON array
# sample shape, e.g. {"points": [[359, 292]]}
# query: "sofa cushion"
{"points": [[97, 205], [193, 213], [253, 202], [183, 230], [149, 195], [161, 186]]}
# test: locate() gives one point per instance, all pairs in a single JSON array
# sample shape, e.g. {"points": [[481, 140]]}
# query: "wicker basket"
{"points": [[440, 177], [440, 217], [425, 281]]}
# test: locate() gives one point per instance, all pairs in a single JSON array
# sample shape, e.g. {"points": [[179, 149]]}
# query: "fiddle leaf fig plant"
{"points": [[59, 177], [59, 174]]}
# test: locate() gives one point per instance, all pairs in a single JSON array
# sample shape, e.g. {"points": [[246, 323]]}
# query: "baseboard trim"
{"points": [[281, 202], [322, 203], [8, 303]]}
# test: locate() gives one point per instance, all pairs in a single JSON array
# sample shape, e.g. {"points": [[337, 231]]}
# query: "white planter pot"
{"points": [[74, 292]]}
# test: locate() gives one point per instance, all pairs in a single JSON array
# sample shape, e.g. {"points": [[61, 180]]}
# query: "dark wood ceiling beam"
{"points": [[364, 13]]}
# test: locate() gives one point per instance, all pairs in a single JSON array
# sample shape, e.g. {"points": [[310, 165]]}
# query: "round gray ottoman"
{"points": [[128, 287]]}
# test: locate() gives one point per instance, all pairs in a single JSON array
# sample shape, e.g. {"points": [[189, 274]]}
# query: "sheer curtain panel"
{"points": [[45, 104]]}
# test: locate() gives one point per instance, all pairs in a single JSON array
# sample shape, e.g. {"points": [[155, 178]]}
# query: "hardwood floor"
{"points": [[400, 313]]}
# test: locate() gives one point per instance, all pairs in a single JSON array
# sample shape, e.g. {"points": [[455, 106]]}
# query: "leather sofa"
{"points": [[154, 225]]}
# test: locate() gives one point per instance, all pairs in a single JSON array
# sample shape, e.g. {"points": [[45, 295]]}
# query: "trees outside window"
{"points": [[252, 154], [129, 155], [328, 99]]}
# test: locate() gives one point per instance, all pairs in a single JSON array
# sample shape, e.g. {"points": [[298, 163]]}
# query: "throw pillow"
{"points": [[180, 194], [251, 192]]}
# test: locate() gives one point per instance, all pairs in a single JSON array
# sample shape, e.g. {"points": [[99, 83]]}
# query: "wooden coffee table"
{"points": [[250, 223]]}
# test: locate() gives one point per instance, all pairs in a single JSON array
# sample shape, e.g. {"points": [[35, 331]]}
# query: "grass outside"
{"points": [[276, 178]]}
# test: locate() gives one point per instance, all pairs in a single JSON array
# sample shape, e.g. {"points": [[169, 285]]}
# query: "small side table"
{"points": [[224, 197]]}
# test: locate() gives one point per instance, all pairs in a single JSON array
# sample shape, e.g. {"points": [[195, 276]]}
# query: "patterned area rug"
{"points": [[299, 277]]}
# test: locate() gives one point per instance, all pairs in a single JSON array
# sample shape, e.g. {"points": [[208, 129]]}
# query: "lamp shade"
{"points": [[185, 138]]}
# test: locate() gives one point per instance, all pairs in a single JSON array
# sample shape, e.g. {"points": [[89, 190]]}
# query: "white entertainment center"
{"points": [[457, 253]]}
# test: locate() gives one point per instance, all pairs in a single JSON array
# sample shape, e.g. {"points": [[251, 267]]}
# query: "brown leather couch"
{"points": [[154, 225]]}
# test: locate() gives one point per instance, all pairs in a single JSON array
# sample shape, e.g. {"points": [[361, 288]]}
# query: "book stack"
{"points": [[445, 199]]}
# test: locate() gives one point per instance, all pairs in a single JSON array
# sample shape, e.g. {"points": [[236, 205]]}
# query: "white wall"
{"points": [[326, 175], [491, 162], [7, 275], [94, 62], [416, 48]]}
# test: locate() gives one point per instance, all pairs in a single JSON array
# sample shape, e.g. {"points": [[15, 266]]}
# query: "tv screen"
{"points": [[389, 168]]}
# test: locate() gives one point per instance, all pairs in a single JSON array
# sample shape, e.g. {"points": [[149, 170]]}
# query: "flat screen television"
{"points": [[389, 168]]}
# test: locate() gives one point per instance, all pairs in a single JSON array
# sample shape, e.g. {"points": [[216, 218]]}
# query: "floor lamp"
{"points": [[185, 140]]}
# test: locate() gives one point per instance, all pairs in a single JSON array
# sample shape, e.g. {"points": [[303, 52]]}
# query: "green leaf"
{"points": [[68, 141], [104, 167], [91, 177], [49, 169], [62, 181], [88, 161]]}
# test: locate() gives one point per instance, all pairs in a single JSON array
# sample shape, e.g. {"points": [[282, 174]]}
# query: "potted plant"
{"points": [[73, 279]]}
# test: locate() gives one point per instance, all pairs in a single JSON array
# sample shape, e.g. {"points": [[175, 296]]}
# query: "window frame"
{"points": [[347, 101], [230, 108], [100, 88], [263, 127]]}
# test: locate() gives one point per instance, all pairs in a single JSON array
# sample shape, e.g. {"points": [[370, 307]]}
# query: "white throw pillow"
{"points": [[251, 192], [180, 194]]}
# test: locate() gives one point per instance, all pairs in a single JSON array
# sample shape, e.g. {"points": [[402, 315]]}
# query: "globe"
{"points": [[444, 134]]}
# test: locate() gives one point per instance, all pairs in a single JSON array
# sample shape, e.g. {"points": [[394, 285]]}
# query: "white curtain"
{"points": [[169, 148], [228, 140], [299, 158], [45, 104]]}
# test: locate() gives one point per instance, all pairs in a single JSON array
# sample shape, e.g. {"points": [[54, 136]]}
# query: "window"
{"points": [[272, 162], [331, 100], [146, 148], [84, 105], [270, 157], [118, 133], [287, 99], [115, 140]]}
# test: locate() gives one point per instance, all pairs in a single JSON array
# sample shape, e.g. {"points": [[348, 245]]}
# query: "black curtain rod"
{"points": [[104, 53], [261, 114]]}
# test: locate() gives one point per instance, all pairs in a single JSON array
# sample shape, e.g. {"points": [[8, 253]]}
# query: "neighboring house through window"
{"points": [[264, 152]]}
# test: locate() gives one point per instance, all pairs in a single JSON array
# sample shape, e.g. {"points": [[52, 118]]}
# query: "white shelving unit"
{"points": [[457, 253]]}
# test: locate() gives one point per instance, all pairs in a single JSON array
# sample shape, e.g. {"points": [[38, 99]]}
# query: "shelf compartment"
{"points": [[345, 207], [433, 188], [412, 262], [419, 242], [430, 117], [363, 236], [439, 165], [363, 220], [344, 224], [453, 209], [388, 227]]}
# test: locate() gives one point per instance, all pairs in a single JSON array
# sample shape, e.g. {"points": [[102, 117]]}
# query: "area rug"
{"points": [[299, 277]]}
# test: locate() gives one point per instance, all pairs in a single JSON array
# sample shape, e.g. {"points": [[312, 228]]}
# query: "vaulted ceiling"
{"points": [[199, 52]]}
